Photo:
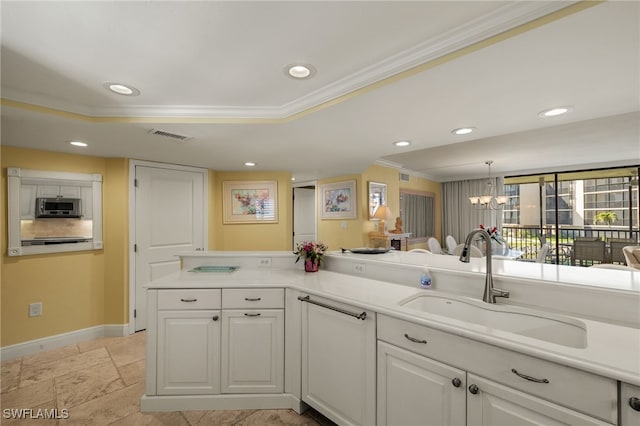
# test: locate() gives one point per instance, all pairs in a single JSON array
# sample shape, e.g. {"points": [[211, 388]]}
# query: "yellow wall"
{"points": [[343, 233], [356, 233], [258, 236], [90, 288], [74, 288]]}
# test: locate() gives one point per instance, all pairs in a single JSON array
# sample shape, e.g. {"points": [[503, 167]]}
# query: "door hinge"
{"points": [[135, 313]]}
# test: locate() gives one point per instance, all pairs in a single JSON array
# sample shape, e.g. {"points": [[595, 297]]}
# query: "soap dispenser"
{"points": [[425, 279]]}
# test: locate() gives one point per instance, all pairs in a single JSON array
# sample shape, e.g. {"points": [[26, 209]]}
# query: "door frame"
{"points": [[132, 221], [313, 183]]}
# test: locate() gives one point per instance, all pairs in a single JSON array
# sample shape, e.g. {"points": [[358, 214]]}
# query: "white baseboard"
{"points": [[59, 340]]}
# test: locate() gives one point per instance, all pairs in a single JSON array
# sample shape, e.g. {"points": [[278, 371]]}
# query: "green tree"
{"points": [[605, 217]]}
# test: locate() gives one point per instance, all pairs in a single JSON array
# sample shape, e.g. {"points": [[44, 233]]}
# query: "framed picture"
{"points": [[339, 200], [250, 201]]}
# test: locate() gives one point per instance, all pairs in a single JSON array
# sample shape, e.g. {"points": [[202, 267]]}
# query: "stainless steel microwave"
{"points": [[58, 207]]}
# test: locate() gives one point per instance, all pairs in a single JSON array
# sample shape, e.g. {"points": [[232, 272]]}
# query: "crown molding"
{"points": [[474, 35]]}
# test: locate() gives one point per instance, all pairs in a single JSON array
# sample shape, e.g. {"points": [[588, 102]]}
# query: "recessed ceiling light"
{"points": [[78, 143], [554, 111], [250, 164], [402, 143], [121, 89], [293, 178], [463, 130], [299, 71]]}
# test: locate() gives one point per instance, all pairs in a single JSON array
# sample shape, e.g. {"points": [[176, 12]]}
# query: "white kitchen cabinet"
{"points": [[416, 390], [28, 200], [53, 191], [86, 199], [252, 351], [629, 405], [188, 352], [339, 360], [492, 404], [517, 388]]}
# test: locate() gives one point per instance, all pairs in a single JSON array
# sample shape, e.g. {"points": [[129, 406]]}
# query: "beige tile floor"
{"points": [[100, 383]]}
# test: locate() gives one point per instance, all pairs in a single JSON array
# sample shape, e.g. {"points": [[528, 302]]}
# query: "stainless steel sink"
{"points": [[547, 327]]}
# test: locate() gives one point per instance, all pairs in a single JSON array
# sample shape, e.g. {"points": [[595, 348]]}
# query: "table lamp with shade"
{"points": [[383, 213]]}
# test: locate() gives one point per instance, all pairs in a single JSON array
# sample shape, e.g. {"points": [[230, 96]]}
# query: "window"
{"points": [[417, 211]]}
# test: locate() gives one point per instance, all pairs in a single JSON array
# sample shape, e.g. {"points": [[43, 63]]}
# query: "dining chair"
{"points": [[475, 251], [419, 250], [632, 256], [588, 249], [451, 243], [434, 245]]}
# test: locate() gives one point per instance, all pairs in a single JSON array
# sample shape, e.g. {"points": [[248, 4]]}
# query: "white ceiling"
{"points": [[214, 71]]}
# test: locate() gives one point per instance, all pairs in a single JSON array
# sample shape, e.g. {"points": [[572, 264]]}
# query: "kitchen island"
{"points": [[269, 335]]}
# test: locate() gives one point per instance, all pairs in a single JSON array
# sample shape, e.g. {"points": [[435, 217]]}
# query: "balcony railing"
{"points": [[527, 239]]}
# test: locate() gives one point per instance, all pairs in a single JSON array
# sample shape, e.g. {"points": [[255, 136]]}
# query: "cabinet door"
{"points": [[188, 352], [28, 201], [492, 404], [252, 351], [51, 191], [69, 191], [338, 362], [86, 198], [629, 404], [415, 390]]}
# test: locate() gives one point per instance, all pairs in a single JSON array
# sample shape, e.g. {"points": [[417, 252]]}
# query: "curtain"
{"points": [[418, 212], [459, 216]]}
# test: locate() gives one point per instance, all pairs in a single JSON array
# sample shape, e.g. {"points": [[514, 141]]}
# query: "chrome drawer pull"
{"points": [[252, 299], [413, 339], [215, 318], [251, 315], [634, 403], [188, 300], [529, 378], [360, 316]]}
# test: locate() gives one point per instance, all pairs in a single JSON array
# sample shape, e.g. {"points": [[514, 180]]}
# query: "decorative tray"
{"points": [[367, 250], [214, 269]]}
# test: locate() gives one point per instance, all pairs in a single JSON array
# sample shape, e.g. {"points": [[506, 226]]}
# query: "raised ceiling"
{"points": [[385, 71]]}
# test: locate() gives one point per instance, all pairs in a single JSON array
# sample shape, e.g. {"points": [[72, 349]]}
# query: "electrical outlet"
{"points": [[358, 268], [35, 309], [264, 262]]}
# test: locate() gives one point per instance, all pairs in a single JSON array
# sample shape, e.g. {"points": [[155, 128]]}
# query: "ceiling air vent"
{"points": [[175, 136], [404, 177]]}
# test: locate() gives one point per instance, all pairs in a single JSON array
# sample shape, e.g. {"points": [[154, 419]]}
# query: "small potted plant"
{"points": [[311, 252]]}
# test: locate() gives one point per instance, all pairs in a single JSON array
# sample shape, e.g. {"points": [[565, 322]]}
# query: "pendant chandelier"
{"points": [[491, 200]]}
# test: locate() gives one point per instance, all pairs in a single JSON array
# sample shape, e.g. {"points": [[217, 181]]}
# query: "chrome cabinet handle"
{"points": [[413, 339], [360, 316], [473, 389], [252, 299], [188, 300], [529, 378], [456, 382], [634, 403], [215, 318], [251, 315]]}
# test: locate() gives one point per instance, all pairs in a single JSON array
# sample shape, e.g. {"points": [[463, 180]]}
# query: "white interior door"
{"points": [[169, 218], [304, 214]]}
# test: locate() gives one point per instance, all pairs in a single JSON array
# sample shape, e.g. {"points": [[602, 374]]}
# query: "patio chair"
{"points": [[616, 245], [588, 249], [434, 246], [475, 251], [632, 256], [451, 243]]}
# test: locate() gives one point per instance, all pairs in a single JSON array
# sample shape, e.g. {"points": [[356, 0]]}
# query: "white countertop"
{"points": [[612, 350]]}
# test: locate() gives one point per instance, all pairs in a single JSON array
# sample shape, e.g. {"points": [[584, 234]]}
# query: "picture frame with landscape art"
{"points": [[250, 201], [339, 200]]}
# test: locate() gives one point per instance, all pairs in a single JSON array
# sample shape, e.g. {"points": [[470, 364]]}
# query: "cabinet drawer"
{"points": [[189, 299], [585, 392], [252, 298]]}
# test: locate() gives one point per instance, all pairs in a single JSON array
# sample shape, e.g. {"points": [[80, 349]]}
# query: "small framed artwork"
{"points": [[339, 200], [250, 201]]}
